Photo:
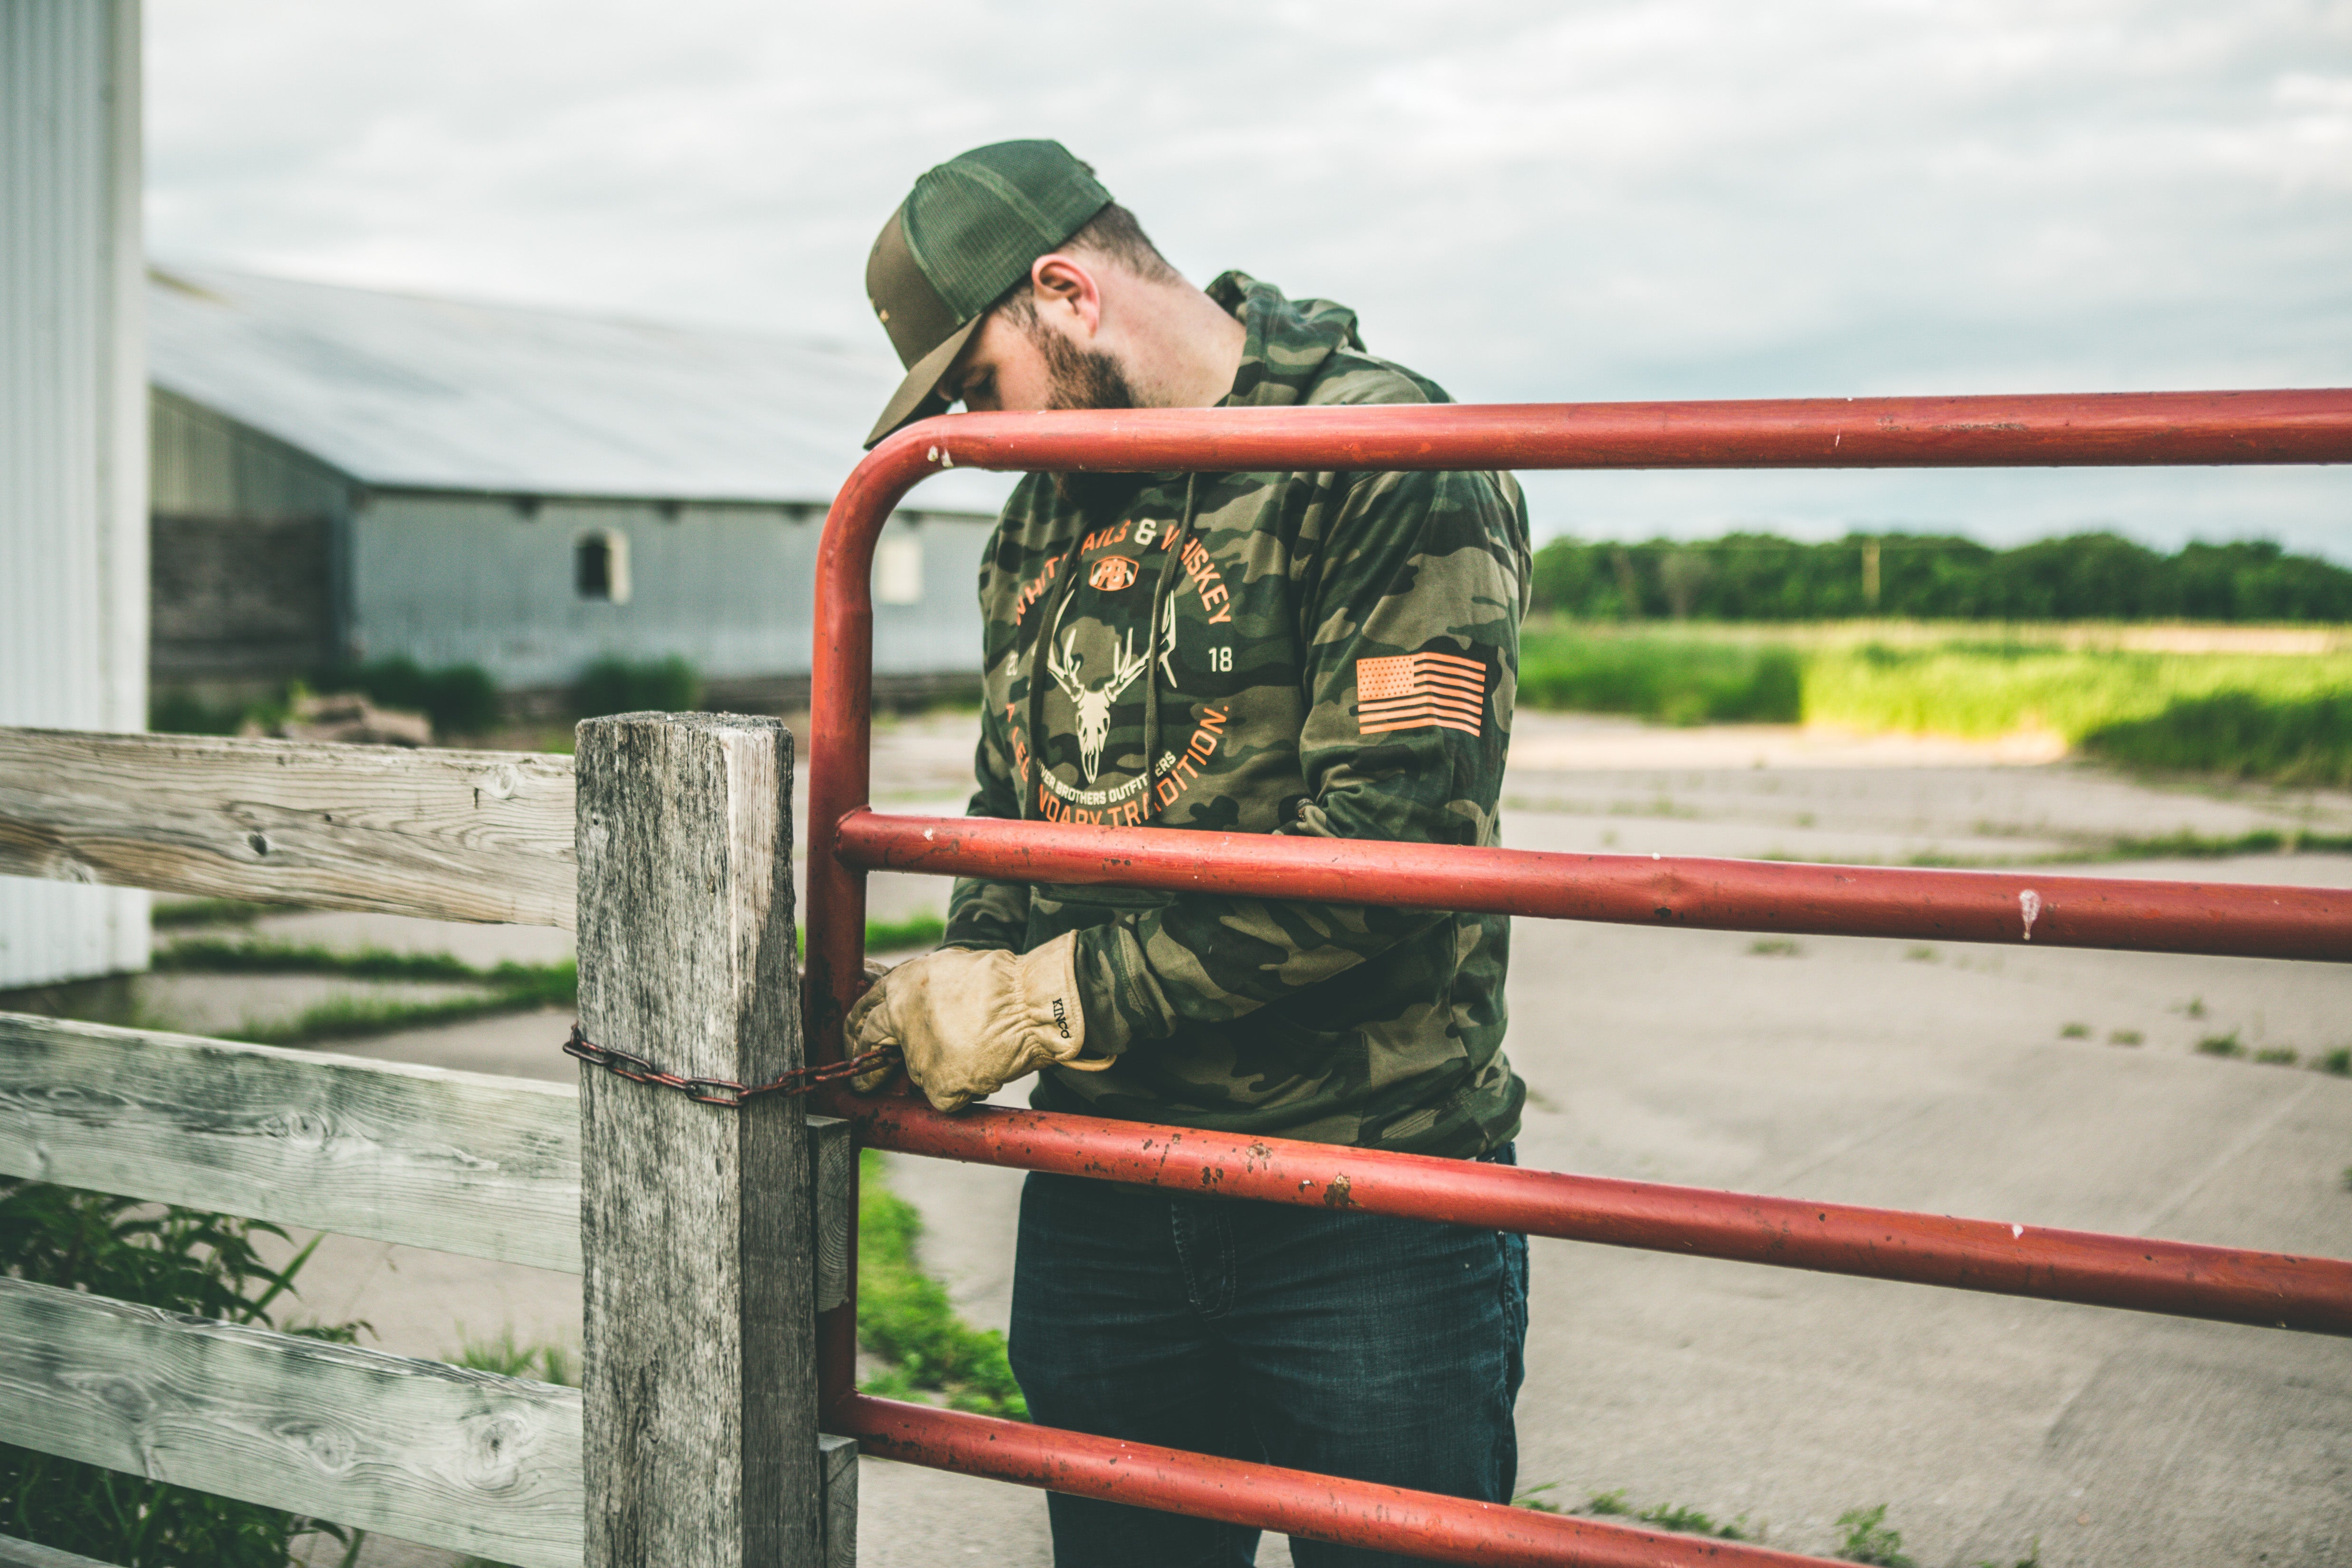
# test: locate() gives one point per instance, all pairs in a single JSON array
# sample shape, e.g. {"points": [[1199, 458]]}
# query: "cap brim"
{"points": [[918, 395]]}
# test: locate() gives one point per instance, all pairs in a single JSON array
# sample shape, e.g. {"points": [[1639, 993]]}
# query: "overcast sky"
{"points": [[1670, 198]]}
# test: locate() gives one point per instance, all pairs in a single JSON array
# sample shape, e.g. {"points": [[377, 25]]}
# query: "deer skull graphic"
{"points": [[1093, 703]]}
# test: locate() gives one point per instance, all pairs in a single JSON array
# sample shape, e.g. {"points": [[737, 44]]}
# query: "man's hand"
{"points": [[969, 1023]]}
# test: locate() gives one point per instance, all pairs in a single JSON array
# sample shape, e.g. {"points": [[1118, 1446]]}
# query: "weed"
{"points": [[1920, 954], [2275, 1056], [1867, 1539], [1607, 1503], [1690, 1522], [2192, 1008], [1533, 1497], [904, 1316], [2337, 1061], [2032, 1558], [2075, 1031], [2222, 1045], [1774, 947], [183, 1260], [2347, 1178], [2125, 1037], [546, 1362]]}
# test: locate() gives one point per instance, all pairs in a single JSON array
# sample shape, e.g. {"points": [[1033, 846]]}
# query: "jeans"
{"points": [[1348, 1344]]}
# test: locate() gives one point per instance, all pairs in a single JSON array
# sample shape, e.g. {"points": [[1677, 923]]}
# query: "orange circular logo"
{"points": [[1111, 574]]}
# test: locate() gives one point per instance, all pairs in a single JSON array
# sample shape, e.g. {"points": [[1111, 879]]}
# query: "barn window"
{"points": [[600, 566], [898, 571]]}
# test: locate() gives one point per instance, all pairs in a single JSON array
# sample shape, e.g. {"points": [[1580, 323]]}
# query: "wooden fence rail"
{"points": [[15, 1554], [454, 1161], [708, 1239], [464, 836], [462, 1459]]}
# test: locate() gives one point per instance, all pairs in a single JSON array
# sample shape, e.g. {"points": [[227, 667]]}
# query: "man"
{"points": [[1330, 654]]}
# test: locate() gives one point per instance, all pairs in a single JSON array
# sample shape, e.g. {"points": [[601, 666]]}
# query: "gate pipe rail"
{"points": [[2234, 918], [1295, 1502], [2112, 429], [2230, 1285], [2102, 429]]}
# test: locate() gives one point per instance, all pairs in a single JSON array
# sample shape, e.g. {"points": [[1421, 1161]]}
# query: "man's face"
{"points": [[1030, 361]]}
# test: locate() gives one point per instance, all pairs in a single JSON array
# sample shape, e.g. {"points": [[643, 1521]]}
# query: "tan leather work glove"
{"points": [[971, 1023]]}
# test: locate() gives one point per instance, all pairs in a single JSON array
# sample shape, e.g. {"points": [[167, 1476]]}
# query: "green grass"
{"points": [[2284, 719], [1672, 680], [1775, 947], [356, 1017], [1689, 1521], [2222, 1045], [2337, 1061], [211, 955], [1867, 1539], [1659, 1516], [1986, 689], [506, 987], [211, 912], [898, 936], [2239, 734], [905, 1319], [509, 1357], [2074, 1031], [2187, 845]]}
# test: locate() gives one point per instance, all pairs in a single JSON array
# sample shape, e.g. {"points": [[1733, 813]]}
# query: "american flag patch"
{"points": [[1409, 689]]}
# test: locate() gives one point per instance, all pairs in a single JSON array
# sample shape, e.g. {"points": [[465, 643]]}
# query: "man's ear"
{"points": [[1068, 293]]}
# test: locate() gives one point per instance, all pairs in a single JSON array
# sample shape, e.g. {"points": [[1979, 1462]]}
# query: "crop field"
{"points": [[2284, 717]]}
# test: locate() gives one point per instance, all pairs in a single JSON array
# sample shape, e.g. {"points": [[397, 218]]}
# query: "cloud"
{"points": [[1674, 198]]}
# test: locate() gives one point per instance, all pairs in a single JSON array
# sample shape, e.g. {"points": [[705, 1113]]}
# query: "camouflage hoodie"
{"points": [[1332, 654]]}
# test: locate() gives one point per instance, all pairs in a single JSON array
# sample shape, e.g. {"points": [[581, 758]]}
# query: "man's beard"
{"points": [[1082, 378], [1085, 378]]}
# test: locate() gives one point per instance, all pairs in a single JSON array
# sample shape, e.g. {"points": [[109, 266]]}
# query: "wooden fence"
{"points": [[707, 1238]]}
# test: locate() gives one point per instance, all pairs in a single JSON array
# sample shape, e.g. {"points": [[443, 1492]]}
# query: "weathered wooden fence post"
{"points": [[696, 1221]]}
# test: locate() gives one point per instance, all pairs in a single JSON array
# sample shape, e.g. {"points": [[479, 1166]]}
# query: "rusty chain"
{"points": [[724, 1091]]}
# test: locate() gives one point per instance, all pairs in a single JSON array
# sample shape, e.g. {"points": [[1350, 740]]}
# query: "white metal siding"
{"points": [[73, 437], [731, 589], [203, 464]]}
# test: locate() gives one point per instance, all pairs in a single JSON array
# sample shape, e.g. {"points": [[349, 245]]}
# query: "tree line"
{"points": [[2085, 576]]}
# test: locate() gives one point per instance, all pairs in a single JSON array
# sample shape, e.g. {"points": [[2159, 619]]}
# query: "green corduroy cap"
{"points": [[967, 234]]}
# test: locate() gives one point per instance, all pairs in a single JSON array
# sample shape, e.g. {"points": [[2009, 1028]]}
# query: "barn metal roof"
{"points": [[403, 391]]}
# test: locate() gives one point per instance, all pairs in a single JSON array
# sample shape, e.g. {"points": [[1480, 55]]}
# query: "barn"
{"points": [[341, 475]]}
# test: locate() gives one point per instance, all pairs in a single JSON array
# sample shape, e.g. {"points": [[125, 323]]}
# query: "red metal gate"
{"points": [[847, 839]]}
